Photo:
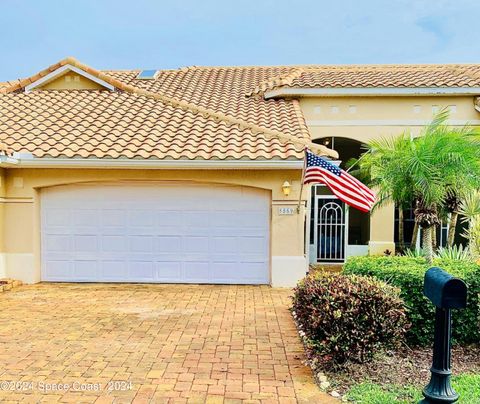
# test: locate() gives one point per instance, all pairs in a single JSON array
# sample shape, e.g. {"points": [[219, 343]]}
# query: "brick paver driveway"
{"points": [[158, 343]]}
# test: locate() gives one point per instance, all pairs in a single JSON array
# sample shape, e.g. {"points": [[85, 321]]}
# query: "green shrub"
{"points": [[348, 318], [408, 273]]}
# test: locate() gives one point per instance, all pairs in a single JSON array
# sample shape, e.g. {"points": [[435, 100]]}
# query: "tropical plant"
{"points": [[470, 210], [441, 163], [454, 253], [414, 253]]}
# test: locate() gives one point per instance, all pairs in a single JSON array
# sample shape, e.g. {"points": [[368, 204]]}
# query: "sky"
{"points": [[148, 34]]}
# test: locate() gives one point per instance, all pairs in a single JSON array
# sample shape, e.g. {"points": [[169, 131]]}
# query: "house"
{"points": [[193, 175]]}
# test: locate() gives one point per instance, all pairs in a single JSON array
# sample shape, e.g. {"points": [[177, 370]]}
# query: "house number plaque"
{"points": [[286, 211]]}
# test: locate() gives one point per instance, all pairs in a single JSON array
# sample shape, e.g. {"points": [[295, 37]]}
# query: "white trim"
{"points": [[278, 202], [386, 122], [370, 91], [7, 160], [16, 200], [153, 164], [56, 73]]}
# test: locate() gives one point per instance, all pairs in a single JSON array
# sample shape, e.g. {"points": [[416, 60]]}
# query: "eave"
{"points": [[13, 162], [286, 92]]}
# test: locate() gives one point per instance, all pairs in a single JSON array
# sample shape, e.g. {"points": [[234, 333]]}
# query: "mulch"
{"points": [[404, 367]]}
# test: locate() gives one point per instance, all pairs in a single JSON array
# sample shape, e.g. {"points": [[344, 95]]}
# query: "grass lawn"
{"points": [[467, 386]]}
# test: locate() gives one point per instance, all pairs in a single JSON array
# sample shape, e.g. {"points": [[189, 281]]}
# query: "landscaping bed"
{"points": [[362, 353], [397, 376], [405, 367]]}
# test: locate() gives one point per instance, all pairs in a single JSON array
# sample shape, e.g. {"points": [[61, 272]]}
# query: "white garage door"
{"points": [[155, 233]]}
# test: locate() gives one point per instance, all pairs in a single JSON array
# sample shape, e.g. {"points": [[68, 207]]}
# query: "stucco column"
{"points": [[382, 222], [289, 263]]}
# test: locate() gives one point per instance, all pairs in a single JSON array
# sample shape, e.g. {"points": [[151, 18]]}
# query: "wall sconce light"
{"points": [[286, 188]]}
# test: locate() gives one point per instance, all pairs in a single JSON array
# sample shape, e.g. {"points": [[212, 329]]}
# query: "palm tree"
{"points": [[387, 155], [426, 169], [470, 210], [463, 148]]}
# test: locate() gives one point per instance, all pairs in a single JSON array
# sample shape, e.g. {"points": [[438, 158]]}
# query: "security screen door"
{"points": [[330, 229]]}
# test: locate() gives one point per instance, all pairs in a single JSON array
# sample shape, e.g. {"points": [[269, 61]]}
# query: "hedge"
{"points": [[408, 274], [348, 318]]}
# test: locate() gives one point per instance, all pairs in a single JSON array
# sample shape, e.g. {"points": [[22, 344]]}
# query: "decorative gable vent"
{"points": [[68, 77]]}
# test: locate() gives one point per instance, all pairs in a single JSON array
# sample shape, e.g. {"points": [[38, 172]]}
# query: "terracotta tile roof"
{"points": [[193, 112], [123, 125], [365, 76], [188, 113]]}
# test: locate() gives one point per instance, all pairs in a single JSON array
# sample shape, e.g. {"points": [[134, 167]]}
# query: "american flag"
{"points": [[343, 185]]}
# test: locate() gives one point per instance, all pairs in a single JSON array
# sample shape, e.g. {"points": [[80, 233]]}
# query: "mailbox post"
{"points": [[446, 293]]}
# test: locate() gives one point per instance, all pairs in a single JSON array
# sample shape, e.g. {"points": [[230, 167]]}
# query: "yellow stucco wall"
{"points": [[2, 207], [360, 118], [23, 187], [366, 118], [71, 81]]}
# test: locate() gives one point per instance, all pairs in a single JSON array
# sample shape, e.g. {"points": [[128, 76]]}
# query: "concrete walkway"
{"points": [[120, 343]]}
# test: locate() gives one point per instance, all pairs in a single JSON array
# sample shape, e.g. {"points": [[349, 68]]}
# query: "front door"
{"points": [[329, 229]]}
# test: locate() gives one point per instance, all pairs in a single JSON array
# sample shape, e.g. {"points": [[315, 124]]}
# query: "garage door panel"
{"points": [[170, 231], [228, 258], [195, 232], [252, 245], [58, 217], [196, 219], [140, 243], [113, 243], [113, 218], [58, 242], [85, 269], [155, 233], [247, 232], [168, 219], [225, 218], [85, 243], [223, 271], [86, 217], [140, 218], [141, 270], [113, 270], [198, 271], [168, 271], [59, 270], [225, 244], [198, 244], [168, 244]]}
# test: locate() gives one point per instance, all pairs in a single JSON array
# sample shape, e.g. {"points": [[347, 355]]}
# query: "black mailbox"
{"points": [[444, 290], [446, 293]]}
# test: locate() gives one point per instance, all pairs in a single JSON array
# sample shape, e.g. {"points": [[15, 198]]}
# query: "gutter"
{"points": [[31, 162], [8, 161], [370, 91]]}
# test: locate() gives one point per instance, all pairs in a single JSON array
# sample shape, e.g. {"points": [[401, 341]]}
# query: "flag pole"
{"points": [[303, 180]]}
